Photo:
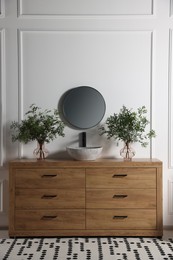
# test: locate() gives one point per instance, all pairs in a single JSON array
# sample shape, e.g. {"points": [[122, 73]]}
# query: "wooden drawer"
{"points": [[121, 219], [121, 178], [52, 198], [121, 198], [49, 219], [50, 178]]}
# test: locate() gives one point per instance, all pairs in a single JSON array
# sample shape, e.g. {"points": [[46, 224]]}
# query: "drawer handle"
{"points": [[119, 175], [48, 175], [119, 196], [48, 196], [48, 217], [120, 217]]}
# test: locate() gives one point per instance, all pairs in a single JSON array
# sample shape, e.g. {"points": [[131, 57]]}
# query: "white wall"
{"points": [[123, 48]]}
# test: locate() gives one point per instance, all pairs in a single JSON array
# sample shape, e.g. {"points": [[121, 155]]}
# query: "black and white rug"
{"points": [[108, 248]]}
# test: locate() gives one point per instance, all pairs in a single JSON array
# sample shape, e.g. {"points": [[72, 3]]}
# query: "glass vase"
{"points": [[127, 152], [40, 152]]}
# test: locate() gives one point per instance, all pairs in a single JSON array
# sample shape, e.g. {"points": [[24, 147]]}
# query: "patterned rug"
{"points": [[108, 248]]}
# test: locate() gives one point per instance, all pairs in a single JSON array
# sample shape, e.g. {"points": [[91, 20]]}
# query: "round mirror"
{"points": [[83, 107]]}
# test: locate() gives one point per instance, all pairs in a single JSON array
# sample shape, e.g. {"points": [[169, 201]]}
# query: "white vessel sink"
{"points": [[84, 153]]}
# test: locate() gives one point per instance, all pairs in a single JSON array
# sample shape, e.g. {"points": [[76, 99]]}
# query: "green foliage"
{"points": [[128, 126], [39, 125]]}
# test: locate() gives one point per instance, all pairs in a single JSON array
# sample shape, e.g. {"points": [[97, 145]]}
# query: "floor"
{"points": [[98, 248]]}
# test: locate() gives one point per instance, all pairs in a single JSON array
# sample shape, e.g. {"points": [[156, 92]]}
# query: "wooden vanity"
{"points": [[106, 197]]}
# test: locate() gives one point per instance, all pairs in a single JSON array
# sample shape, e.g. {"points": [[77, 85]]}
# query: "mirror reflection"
{"points": [[83, 107]]}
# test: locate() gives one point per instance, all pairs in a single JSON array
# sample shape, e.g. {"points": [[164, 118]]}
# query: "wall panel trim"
{"points": [[20, 69], [170, 103], [21, 13], [170, 197], [1, 196], [151, 90], [20, 88], [2, 94], [2, 8], [170, 8]]}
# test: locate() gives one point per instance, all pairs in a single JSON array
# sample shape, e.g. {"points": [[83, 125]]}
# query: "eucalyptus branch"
{"points": [[128, 126], [42, 126]]}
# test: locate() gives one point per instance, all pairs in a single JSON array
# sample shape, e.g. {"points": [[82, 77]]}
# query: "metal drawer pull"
{"points": [[119, 196], [119, 175], [48, 175], [48, 217], [48, 196], [119, 217]]}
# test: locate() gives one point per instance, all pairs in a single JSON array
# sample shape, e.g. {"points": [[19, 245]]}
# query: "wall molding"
{"points": [[2, 9], [151, 90], [170, 197], [170, 7], [170, 102], [1, 196], [2, 94], [21, 66], [20, 84], [22, 14]]}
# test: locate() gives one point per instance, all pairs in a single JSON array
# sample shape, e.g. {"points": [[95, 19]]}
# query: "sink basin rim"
{"points": [[88, 153]]}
